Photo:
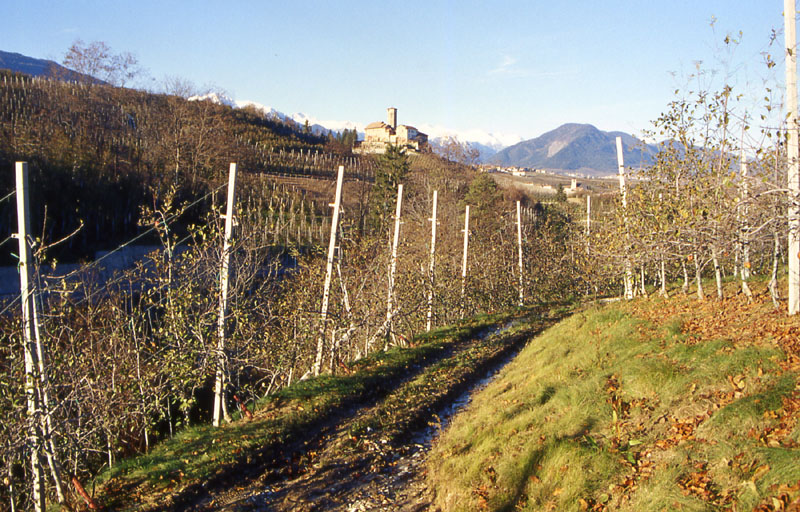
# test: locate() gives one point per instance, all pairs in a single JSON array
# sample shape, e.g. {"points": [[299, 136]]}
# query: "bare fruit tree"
{"points": [[98, 61]]}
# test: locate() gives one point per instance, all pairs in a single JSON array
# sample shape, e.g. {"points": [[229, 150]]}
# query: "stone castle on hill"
{"points": [[378, 134]]}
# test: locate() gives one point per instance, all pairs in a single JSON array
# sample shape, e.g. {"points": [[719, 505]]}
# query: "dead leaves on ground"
{"points": [[786, 420], [733, 318], [699, 484], [742, 324], [786, 498]]}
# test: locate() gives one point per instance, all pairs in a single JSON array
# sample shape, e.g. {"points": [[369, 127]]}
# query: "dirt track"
{"points": [[349, 468]]}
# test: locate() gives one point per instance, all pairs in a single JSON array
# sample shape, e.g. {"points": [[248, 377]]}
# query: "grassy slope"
{"points": [[651, 405]]}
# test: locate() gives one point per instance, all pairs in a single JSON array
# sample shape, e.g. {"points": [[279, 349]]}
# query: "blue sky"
{"points": [[522, 67]]}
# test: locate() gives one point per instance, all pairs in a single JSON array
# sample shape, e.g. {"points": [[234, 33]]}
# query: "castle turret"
{"points": [[392, 117]]}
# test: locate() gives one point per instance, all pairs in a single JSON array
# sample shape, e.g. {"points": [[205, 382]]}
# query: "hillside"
{"points": [[217, 305], [656, 404], [134, 352], [103, 153], [575, 148]]}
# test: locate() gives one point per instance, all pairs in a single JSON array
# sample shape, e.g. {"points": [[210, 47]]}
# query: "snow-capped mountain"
{"points": [[317, 126], [496, 141], [214, 97], [487, 143]]}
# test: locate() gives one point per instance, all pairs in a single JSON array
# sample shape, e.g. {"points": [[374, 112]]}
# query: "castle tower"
{"points": [[392, 117]]}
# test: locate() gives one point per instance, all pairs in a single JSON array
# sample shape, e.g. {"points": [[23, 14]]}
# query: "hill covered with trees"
{"points": [[99, 153]]}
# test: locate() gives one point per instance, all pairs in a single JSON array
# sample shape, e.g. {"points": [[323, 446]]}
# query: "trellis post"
{"points": [[745, 226], [793, 173], [628, 277], [329, 270], [393, 262], [432, 261], [519, 245], [464, 261], [588, 217], [27, 299], [219, 385]]}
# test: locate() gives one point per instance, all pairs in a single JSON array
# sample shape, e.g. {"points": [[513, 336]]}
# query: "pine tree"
{"points": [[561, 196], [483, 195], [391, 170]]}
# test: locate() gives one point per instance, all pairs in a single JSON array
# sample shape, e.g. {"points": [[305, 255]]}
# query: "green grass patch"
{"points": [[608, 410]]}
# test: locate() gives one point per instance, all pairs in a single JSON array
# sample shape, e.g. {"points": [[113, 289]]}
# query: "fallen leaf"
{"points": [[760, 471]]}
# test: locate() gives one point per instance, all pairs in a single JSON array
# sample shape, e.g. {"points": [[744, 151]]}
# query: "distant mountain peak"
{"points": [[42, 68], [575, 149], [214, 97]]}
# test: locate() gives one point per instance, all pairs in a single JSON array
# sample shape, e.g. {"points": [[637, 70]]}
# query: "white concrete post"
{"points": [[27, 299], [464, 261], [588, 216], [519, 245], [432, 261], [790, 38], [628, 277], [329, 269], [219, 385], [393, 262]]}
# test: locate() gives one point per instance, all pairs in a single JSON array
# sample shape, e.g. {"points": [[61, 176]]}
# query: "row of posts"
{"points": [[39, 418], [391, 310]]}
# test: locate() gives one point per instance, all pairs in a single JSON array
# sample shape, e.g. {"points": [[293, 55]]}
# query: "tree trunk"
{"points": [[663, 292], [773, 282], [46, 419], [717, 273], [698, 278], [641, 281], [685, 286]]}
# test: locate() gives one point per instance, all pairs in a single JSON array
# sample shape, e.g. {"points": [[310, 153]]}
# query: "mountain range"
{"points": [[41, 67], [487, 143], [579, 149]]}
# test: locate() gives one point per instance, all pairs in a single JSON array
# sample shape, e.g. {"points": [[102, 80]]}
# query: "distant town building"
{"points": [[378, 134], [575, 188]]}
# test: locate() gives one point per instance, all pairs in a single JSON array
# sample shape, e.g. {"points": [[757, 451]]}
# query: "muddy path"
{"points": [[373, 455]]}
